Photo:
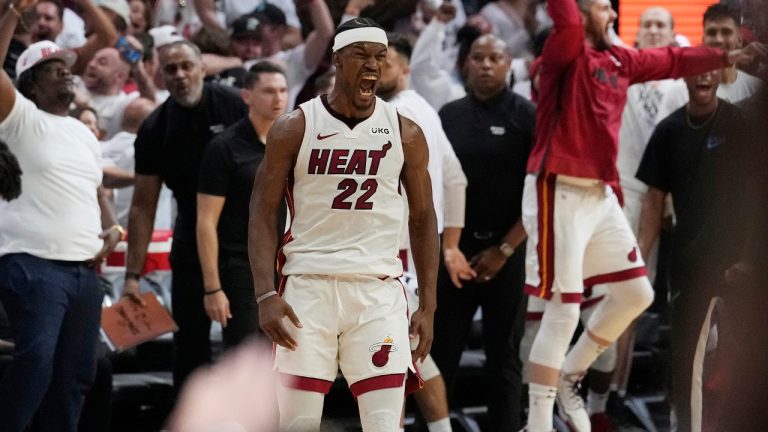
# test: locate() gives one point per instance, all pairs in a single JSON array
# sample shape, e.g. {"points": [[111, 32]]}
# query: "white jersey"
{"points": [[647, 104], [444, 167], [410, 104], [344, 202]]}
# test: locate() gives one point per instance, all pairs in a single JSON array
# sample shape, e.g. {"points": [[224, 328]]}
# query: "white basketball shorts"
{"points": [[577, 236], [356, 323]]}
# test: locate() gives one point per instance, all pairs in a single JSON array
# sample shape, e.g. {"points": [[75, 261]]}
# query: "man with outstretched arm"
{"points": [[577, 233]]}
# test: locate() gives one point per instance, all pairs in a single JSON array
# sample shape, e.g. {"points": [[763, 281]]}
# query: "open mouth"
{"points": [[367, 84]]}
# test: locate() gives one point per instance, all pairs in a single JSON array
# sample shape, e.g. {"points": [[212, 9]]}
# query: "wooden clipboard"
{"points": [[126, 324]]}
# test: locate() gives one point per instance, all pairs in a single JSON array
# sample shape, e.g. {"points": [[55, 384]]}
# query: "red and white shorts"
{"points": [[356, 323], [577, 236]]}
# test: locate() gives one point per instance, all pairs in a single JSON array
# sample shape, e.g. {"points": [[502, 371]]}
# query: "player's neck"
{"points": [[342, 105], [260, 124]]}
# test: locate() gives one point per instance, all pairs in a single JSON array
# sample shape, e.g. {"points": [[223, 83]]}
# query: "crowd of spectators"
{"points": [[147, 85]]}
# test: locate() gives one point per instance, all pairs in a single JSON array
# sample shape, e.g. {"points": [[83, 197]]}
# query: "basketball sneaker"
{"points": [[570, 403]]}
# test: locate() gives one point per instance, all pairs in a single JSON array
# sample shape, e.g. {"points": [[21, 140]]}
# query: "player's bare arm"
{"points": [[422, 228], [282, 147], [216, 303], [454, 191], [651, 220], [140, 224], [8, 22]]}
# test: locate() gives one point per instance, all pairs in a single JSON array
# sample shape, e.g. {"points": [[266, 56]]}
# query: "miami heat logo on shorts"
{"points": [[632, 256], [381, 352]]}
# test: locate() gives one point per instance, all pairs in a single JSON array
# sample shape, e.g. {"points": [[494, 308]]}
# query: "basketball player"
{"points": [[576, 229], [341, 159]]}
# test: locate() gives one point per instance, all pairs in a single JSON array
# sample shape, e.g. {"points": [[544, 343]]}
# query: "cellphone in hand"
{"points": [[127, 51]]}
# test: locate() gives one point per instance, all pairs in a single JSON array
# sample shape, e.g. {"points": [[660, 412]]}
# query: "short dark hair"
{"points": [[147, 45], [10, 174], [254, 73], [324, 80], [400, 44], [721, 11], [360, 22], [59, 6], [212, 40], [584, 4]]}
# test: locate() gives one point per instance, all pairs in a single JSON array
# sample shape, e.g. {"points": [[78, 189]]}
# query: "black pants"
{"points": [[503, 306], [191, 343], [237, 282], [688, 311]]}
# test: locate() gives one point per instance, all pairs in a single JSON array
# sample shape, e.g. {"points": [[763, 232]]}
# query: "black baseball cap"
{"points": [[270, 14], [246, 26]]}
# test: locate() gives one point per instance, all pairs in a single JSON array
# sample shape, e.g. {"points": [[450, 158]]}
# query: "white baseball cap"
{"points": [[120, 7], [42, 51], [164, 35]]}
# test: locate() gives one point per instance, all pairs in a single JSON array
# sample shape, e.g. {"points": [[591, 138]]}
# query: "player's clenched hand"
{"points": [[749, 57], [421, 326], [458, 267], [487, 263], [271, 313]]}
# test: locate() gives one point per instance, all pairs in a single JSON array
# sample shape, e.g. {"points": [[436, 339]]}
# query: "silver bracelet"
{"points": [[263, 297]]}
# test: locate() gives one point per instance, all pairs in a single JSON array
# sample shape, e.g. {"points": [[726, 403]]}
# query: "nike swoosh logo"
{"points": [[322, 137]]}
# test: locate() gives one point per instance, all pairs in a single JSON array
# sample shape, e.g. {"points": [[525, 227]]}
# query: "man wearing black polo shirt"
{"points": [[491, 130], [698, 156], [224, 191], [169, 147]]}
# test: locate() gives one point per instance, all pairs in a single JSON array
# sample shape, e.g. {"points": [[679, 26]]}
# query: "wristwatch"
{"points": [[506, 249]]}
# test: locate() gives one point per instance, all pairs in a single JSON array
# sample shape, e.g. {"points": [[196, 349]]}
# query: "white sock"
{"points": [[582, 355], [541, 403], [442, 425], [597, 402]]}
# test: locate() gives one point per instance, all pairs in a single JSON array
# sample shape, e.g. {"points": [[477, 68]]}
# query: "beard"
{"points": [[65, 96], [386, 90], [598, 34]]}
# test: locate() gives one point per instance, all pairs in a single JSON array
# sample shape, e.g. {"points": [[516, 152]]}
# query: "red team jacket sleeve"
{"points": [[566, 42], [661, 63]]}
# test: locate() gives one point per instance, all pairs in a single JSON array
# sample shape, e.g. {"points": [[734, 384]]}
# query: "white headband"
{"points": [[361, 34]]}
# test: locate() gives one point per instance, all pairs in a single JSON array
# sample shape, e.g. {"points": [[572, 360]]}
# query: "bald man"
{"points": [[118, 164], [493, 152]]}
